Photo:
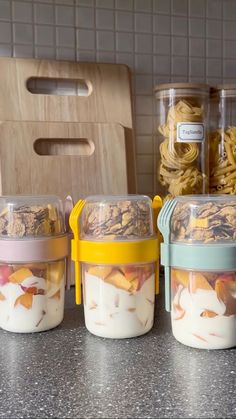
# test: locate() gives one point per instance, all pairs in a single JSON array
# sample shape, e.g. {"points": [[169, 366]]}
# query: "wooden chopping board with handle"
{"points": [[106, 97], [62, 158]]}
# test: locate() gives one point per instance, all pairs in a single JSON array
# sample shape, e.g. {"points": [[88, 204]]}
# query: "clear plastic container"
{"points": [[182, 151], [223, 140], [208, 219], [118, 299], [203, 309], [33, 247]]}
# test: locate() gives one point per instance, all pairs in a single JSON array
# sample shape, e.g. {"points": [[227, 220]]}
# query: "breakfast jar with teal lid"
{"points": [[34, 248], [199, 256]]}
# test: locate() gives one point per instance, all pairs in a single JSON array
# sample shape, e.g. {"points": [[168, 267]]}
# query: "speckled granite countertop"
{"points": [[69, 373]]}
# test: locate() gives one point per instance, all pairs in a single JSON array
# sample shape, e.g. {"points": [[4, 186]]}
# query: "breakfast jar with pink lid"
{"points": [[182, 144], [33, 252]]}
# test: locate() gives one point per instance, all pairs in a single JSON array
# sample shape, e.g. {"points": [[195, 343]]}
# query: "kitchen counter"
{"points": [[69, 373]]}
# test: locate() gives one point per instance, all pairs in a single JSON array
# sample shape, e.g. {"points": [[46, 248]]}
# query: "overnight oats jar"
{"points": [[199, 255], [117, 253], [33, 252]]}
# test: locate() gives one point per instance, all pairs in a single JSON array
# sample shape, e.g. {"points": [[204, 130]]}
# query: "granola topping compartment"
{"points": [[204, 221], [120, 219]]}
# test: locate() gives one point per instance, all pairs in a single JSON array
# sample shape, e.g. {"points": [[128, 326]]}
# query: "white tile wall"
{"points": [[160, 40]]}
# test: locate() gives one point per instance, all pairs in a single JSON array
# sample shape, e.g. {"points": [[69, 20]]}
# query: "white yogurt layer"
{"points": [[114, 313], [191, 329], [46, 312]]}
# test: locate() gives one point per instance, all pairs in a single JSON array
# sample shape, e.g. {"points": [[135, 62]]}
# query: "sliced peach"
{"points": [[117, 279], [198, 281], [26, 300], [223, 293], [19, 276], [208, 313], [100, 271], [180, 276], [129, 272], [2, 297], [55, 272]]}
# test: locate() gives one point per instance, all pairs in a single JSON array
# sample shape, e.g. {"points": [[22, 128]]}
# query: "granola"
{"points": [[209, 222], [26, 221], [122, 219]]}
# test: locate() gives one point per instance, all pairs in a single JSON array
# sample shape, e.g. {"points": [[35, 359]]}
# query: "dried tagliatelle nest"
{"points": [[223, 161], [209, 222], [35, 220], [180, 162], [126, 219]]}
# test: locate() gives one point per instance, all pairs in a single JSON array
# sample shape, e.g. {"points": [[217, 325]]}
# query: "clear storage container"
{"points": [[200, 269], [33, 251], [223, 140], [119, 277], [182, 151]]}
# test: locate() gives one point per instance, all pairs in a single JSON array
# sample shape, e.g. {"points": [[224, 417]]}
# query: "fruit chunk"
{"points": [[100, 271], [118, 280], [180, 276], [222, 289], [25, 300], [129, 272], [208, 313], [2, 297], [5, 272], [55, 272], [20, 275], [198, 281]]}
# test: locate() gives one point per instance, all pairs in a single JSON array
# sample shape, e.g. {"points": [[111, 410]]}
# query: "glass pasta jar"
{"points": [[118, 253], [222, 155], [182, 152], [199, 255], [33, 251]]}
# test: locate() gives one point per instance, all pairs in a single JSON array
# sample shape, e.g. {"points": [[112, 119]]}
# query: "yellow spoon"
{"points": [[74, 225]]}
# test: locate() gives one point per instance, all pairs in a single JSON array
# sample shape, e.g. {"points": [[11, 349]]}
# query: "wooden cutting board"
{"points": [[108, 98], [62, 158]]}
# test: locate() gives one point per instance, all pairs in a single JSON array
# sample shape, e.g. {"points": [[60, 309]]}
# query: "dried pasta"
{"points": [[223, 161], [178, 169]]}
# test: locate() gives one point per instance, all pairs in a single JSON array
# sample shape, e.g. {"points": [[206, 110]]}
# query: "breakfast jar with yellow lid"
{"points": [[199, 256], [182, 152], [222, 151], [33, 250], [115, 249]]}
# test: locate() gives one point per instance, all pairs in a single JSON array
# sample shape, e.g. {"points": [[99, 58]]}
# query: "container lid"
{"points": [[224, 90], [119, 218], [203, 219], [181, 90], [166, 86], [23, 217]]}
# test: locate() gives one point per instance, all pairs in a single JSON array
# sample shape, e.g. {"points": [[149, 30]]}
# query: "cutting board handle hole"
{"points": [[64, 147], [58, 86]]}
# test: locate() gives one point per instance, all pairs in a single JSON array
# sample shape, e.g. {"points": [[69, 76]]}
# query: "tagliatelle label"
{"points": [[190, 132]]}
